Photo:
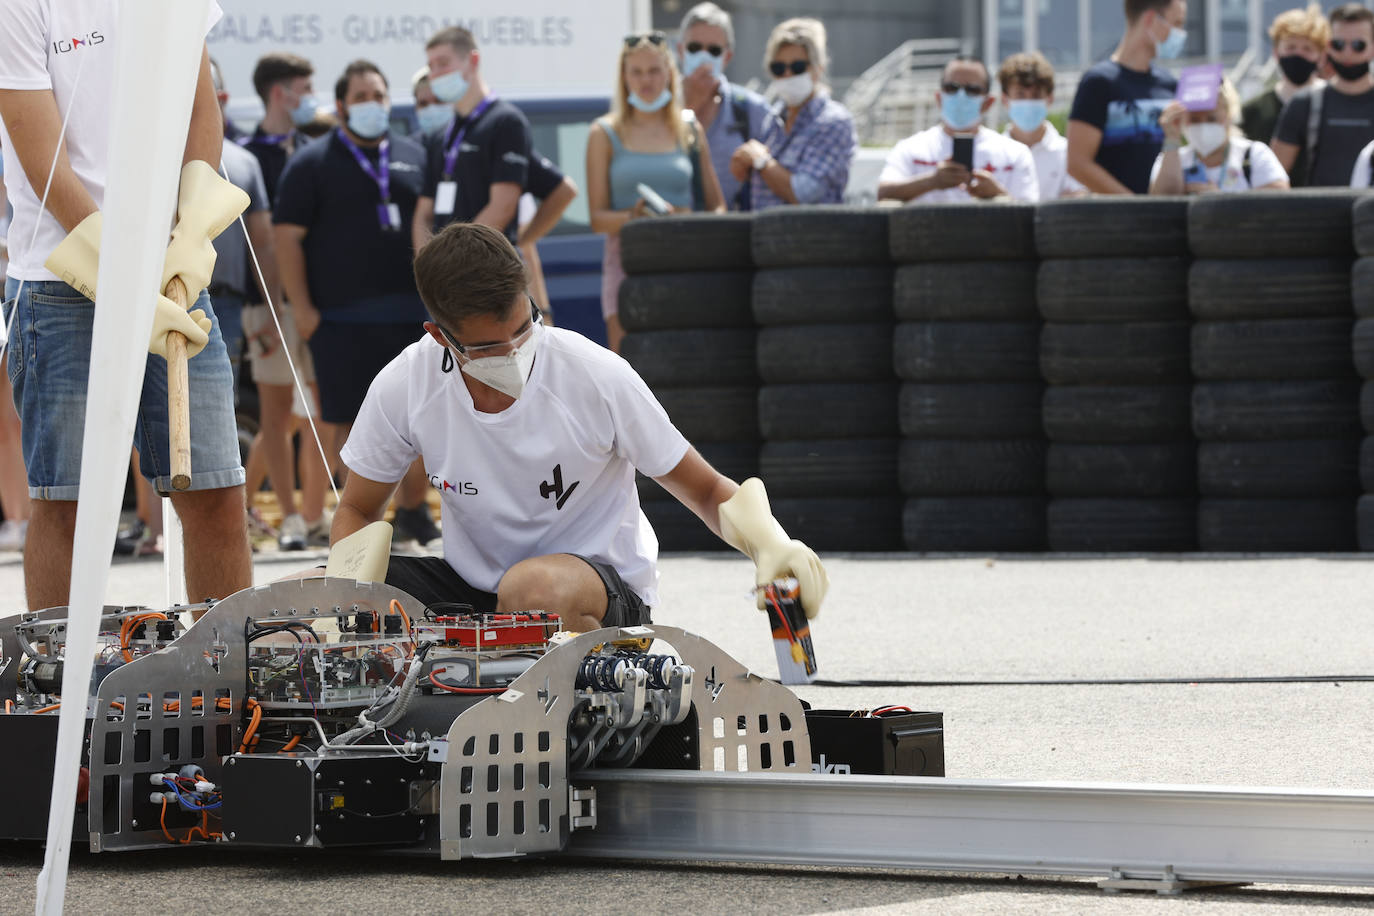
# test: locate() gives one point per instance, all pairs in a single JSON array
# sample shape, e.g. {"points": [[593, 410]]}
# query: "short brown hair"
{"points": [[278, 67], [1352, 12], [456, 37], [357, 68], [467, 270], [1137, 8], [1309, 24], [1030, 69]]}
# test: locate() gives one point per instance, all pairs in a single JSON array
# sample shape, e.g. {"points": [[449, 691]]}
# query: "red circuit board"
{"points": [[494, 631]]}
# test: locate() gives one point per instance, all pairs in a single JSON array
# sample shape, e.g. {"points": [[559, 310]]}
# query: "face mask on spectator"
{"points": [[650, 107], [449, 88], [433, 117], [1349, 72], [1297, 68], [1027, 114], [507, 374], [961, 111], [1206, 138], [304, 112], [794, 90], [368, 120], [694, 59], [1172, 45]]}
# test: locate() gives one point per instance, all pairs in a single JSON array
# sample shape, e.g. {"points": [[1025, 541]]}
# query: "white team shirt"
{"points": [[43, 44], [552, 473], [920, 154], [1265, 167], [1051, 156], [1359, 178]]}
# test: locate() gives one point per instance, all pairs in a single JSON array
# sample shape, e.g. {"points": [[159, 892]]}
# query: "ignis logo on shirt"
{"points": [[66, 45], [461, 488]]}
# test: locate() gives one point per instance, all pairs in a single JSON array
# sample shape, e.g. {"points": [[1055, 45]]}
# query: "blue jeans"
{"points": [[49, 364], [229, 317]]}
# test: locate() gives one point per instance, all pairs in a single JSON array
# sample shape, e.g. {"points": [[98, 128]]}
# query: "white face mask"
{"points": [[793, 90], [1206, 138], [507, 374]]}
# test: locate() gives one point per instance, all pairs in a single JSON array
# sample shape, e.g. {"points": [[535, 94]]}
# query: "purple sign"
{"points": [[1198, 86]]}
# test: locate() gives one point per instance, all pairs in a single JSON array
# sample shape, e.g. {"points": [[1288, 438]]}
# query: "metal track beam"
{"points": [[1167, 833]]}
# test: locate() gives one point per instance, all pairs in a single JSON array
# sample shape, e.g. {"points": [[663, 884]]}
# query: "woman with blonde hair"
{"points": [[645, 140], [1217, 157]]}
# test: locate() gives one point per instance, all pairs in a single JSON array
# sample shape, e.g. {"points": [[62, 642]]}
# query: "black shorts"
{"points": [[430, 580], [348, 357]]}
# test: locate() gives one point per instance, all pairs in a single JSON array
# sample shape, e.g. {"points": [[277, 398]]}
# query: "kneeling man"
{"points": [[532, 435]]}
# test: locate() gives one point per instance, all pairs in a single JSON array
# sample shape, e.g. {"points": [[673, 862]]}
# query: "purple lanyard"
{"points": [[451, 154], [264, 140], [381, 174]]}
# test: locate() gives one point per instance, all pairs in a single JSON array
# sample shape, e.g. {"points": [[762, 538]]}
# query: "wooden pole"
{"points": [[178, 395]]}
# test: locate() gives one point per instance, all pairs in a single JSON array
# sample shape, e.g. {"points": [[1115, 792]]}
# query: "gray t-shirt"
{"points": [[233, 268], [1347, 126]]}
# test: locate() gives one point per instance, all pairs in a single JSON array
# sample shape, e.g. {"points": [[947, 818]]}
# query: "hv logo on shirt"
{"points": [[555, 488]]}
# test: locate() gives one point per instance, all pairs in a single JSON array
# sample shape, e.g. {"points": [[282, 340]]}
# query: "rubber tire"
{"points": [[1006, 410], [1134, 470], [702, 241], [842, 524], [1362, 347], [713, 414], [833, 467], [1288, 348], [961, 467], [1113, 289], [1136, 353], [956, 351], [828, 411], [672, 301], [975, 524], [817, 235], [1304, 223], [1364, 523], [826, 353], [1104, 227], [1302, 468], [1269, 411], [1276, 525], [679, 529], [1367, 464], [965, 291], [1362, 225], [1273, 288], [1122, 525], [1367, 407], [680, 359], [1362, 287], [995, 230], [736, 460], [822, 295], [1117, 414]]}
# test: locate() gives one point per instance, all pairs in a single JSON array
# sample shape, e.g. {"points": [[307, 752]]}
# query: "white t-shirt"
{"points": [[1008, 161], [552, 473], [1265, 167], [1359, 178], [43, 45], [1051, 157]]}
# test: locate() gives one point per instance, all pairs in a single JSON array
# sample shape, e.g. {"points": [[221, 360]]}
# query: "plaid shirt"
{"points": [[817, 153]]}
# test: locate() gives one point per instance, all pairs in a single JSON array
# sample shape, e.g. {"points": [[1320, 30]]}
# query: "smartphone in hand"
{"points": [[653, 200], [963, 152]]}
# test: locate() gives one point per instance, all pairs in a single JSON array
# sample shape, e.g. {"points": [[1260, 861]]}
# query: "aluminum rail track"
{"points": [[1172, 835]]}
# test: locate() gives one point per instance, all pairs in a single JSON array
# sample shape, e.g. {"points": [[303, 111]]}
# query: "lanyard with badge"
{"points": [[446, 195], [388, 213]]}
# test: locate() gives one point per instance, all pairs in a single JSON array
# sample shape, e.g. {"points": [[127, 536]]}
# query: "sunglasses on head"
{"points": [[653, 38], [968, 88], [798, 67], [714, 50]]}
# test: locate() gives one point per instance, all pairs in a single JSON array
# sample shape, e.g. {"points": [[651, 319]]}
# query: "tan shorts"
{"points": [[265, 351]]}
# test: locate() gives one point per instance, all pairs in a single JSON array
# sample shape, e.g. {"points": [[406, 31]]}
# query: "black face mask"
{"points": [[1297, 69], [1349, 72]]}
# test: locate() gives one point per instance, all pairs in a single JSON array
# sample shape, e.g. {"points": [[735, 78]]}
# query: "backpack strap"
{"points": [[1245, 164], [1314, 124]]}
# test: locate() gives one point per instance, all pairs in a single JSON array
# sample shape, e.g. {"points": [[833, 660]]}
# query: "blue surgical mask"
{"points": [[1027, 114], [649, 107], [304, 112], [694, 59], [433, 117], [450, 87], [961, 111], [368, 120], [1172, 45]]}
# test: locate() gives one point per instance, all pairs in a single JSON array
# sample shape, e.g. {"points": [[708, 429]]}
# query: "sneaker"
{"points": [[414, 525], [317, 532], [149, 545], [12, 534], [293, 532], [127, 540]]}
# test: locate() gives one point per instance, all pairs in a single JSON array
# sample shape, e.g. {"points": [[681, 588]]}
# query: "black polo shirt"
{"points": [[496, 148], [272, 156], [544, 177], [357, 271]]}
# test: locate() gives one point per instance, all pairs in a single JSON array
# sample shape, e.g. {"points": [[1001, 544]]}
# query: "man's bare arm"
{"points": [[362, 502], [1084, 142], [1287, 153], [261, 237], [205, 138], [699, 487], [34, 124], [501, 206]]}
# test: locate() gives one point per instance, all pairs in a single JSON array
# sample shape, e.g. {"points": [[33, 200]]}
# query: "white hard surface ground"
{"points": [[912, 619]]}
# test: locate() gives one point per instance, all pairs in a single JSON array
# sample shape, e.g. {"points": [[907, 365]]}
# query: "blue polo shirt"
{"points": [[357, 271]]}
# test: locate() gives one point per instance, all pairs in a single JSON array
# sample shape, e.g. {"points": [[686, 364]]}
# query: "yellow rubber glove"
{"points": [[747, 524], [77, 261], [206, 205]]}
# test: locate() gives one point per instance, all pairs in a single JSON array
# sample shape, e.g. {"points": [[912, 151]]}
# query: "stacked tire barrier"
{"points": [[1276, 404], [1362, 292], [972, 456], [1113, 290], [685, 305], [822, 299]]}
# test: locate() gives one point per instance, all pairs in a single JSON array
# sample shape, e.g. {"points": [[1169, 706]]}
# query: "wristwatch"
{"points": [[761, 162]]}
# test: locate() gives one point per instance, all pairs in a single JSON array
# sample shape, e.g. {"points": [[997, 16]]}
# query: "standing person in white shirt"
{"points": [[532, 436], [1027, 81], [1217, 157], [922, 169]]}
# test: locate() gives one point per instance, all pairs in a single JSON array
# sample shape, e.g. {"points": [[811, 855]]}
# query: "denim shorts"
{"points": [[49, 362]]}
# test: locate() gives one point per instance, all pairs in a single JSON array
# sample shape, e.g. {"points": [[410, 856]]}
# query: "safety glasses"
{"points": [[653, 38], [714, 50], [779, 68], [967, 88], [505, 348]]}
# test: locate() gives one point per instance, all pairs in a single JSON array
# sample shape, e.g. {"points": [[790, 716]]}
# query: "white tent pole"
{"points": [[158, 50]]}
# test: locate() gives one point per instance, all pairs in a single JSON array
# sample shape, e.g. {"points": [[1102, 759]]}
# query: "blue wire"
{"points": [[190, 802]]}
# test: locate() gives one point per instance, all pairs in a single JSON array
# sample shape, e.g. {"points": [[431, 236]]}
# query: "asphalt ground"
{"points": [[974, 638]]}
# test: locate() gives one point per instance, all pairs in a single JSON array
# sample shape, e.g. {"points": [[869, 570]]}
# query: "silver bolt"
{"points": [[367, 782], [232, 835], [233, 760], [298, 838], [300, 763], [133, 823], [319, 776]]}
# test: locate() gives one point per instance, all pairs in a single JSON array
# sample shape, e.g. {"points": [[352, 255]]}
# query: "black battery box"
{"points": [[894, 743]]}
